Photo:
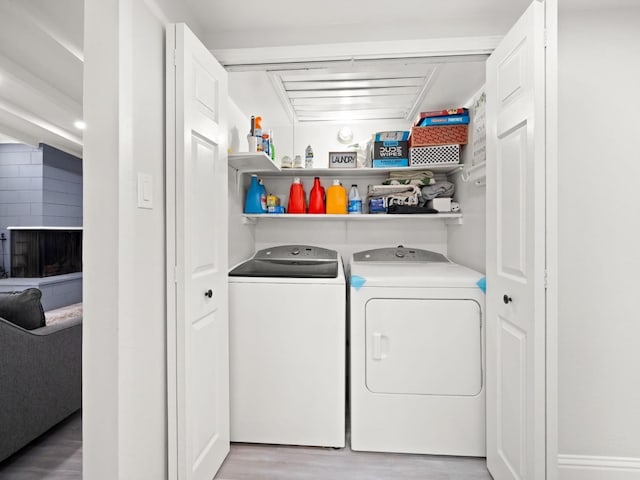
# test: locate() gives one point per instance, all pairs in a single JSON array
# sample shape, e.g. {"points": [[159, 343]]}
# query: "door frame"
{"points": [[448, 49], [551, 222], [170, 241]]}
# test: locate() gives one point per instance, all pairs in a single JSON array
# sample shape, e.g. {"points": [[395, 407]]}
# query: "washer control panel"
{"points": [[299, 252], [399, 254]]}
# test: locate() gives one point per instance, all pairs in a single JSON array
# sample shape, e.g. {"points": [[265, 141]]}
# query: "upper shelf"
{"points": [[261, 163], [257, 162]]}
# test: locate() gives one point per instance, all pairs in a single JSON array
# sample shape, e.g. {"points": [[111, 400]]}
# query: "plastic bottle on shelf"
{"points": [[265, 144], [257, 132], [254, 200], [297, 202], [355, 202], [308, 157], [272, 150], [336, 198], [263, 196], [316, 197]]}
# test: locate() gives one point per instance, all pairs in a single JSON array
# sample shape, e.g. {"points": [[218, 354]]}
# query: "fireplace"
{"points": [[39, 252]]}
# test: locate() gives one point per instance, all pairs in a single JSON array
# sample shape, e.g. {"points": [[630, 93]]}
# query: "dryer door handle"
{"points": [[377, 353]]}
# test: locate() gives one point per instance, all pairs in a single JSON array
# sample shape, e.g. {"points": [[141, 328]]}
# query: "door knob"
{"points": [[506, 299], [208, 293]]}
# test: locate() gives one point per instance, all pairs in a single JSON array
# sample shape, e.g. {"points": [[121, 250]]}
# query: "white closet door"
{"points": [[516, 251], [198, 352]]}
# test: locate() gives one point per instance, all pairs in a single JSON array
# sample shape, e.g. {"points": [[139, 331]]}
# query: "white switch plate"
{"points": [[145, 190]]}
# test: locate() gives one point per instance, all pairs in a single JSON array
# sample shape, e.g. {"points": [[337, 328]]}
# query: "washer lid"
{"points": [[290, 261], [399, 254]]}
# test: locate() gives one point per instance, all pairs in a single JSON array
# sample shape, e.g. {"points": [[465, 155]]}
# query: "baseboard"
{"points": [[586, 467]]}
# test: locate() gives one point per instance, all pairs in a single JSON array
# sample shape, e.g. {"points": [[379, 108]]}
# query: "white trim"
{"points": [[437, 47], [590, 467], [551, 226], [170, 272]]}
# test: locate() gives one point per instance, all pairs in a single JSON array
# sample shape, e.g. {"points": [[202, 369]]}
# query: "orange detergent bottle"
{"points": [[336, 198]]}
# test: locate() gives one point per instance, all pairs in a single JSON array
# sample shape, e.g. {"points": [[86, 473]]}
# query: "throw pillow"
{"points": [[23, 308]]}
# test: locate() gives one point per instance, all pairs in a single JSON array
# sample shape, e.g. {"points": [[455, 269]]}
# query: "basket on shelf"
{"points": [[436, 155]]}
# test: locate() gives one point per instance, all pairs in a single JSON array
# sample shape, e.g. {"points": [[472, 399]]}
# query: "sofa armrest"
{"points": [[40, 380]]}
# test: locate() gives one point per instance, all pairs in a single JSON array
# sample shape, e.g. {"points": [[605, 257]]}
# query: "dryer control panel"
{"points": [[399, 254]]}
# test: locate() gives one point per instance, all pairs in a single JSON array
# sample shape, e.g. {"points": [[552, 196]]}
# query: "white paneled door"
{"points": [[198, 330], [516, 251]]}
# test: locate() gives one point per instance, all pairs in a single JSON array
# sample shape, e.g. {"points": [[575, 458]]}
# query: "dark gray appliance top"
{"points": [[399, 254], [290, 261]]}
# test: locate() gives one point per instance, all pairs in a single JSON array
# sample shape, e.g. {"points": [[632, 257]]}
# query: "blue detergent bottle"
{"points": [[254, 202]]}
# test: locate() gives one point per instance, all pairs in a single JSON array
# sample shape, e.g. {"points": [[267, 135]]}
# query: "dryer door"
{"points": [[424, 346]]}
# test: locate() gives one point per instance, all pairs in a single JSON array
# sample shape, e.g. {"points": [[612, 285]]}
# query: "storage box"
{"points": [[342, 159], [438, 155], [391, 163], [442, 204], [438, 135], [397, 135], [390, 150]]}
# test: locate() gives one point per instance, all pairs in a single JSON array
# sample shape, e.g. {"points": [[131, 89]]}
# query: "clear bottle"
{"points": [[355, 202], [308, 157]]}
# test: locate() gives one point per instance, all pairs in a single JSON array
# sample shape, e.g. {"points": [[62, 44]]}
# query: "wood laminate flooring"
{"points": [[57, 455], [261, 462]]}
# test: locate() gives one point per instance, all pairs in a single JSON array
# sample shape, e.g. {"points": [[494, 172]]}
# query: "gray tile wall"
{"points": [[38, 186], [62, 189]]}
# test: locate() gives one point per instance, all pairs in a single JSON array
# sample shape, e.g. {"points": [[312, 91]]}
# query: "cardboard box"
{"points": [[397, 135], [439, 135], [390, 150]]}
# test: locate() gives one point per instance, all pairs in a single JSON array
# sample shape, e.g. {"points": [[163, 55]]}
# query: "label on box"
{"points": [[391, 162], [390, 149]]}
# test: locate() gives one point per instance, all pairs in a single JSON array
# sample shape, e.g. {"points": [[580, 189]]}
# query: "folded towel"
{"points": [[439, 189], [395, 194], [419, 178]]}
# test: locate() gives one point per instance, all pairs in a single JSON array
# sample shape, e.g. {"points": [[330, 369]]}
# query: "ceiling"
{"points": [[350, 91], [41, 72], [41, 59]]}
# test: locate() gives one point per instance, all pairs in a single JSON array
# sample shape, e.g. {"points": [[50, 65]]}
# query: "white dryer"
{"points": [[417, 354], [287, 351]]}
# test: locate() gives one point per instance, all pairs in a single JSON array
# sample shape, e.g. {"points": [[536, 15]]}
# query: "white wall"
{"points": [[124, 417], [241, 236], [467, 242], [599, 234]]}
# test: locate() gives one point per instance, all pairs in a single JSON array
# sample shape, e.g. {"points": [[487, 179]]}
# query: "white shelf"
{"points": [[258, 162], [360, 172], [453, 218]]}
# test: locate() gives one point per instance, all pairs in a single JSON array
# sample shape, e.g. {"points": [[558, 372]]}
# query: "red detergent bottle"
{"points": [[316, 198], [297, 203]]}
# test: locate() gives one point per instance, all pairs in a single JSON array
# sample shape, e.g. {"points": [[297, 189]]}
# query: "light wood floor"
{"points": [[260, 462], [57, 455]]}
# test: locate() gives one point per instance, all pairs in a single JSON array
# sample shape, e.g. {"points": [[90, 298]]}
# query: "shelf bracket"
{"points": [[248, 221]]}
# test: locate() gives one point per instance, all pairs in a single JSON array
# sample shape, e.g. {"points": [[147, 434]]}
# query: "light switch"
{"points": [[145, 190]]}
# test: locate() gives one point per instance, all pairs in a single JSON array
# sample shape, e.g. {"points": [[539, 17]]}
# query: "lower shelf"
{"points": [[453, 218]]}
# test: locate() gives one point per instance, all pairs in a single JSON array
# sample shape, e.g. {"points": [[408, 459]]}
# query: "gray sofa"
{"points": [[40, 380]]}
